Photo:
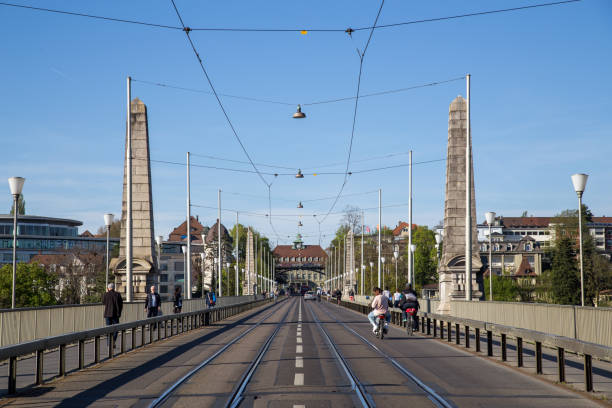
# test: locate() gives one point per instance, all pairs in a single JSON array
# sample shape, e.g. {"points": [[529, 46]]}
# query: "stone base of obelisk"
{"points": [[452, 287]]}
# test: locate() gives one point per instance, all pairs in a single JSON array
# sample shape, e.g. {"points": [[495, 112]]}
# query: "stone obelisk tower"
{"points": [[349, 263], [144, 270], [249, 285], [451, 269]]}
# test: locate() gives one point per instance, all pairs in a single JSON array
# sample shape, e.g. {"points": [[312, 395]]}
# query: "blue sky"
{"points": [[540, 106]]}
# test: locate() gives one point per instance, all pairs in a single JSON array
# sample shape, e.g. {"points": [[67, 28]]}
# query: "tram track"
{"points": [[236, 395], [431, 394]]}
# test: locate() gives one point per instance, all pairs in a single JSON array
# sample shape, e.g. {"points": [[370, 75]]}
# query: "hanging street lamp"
{"points": [[299, 114]]}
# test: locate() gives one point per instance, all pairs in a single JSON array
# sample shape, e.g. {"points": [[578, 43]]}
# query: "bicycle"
{"points": [[380, 329], [410, 312]]}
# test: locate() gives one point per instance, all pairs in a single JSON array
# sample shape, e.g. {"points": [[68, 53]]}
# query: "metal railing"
{"points": [[430, 323], [165, 326]]}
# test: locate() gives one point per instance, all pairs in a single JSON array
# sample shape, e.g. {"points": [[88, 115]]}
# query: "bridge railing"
{"points": [[27, 324], [434, 324], [165, 326]]}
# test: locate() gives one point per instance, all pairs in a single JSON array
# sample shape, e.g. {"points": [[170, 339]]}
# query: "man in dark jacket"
{"points": [[113, 305], [153, 303], [408, 300]]}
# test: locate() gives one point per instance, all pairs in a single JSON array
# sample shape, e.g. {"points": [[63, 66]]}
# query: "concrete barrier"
{"points": [[27, 324]]}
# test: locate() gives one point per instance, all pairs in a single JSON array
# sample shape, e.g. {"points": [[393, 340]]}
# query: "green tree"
{"points": [[425, 257], [505, 289], [33, 287], [20, 206], [564, 280]]}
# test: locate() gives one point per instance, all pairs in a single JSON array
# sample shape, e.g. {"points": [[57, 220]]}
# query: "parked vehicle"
{"points": [[309, 296]]}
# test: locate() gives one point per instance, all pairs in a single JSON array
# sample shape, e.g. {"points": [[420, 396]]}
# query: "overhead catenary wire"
{"points": [[288, 30]]}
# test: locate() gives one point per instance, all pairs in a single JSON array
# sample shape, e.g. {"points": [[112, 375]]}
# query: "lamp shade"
{"points": [[159, 239], [16, 185], [413, 247], [108, 219], [490, 217], [395, 254], [579, 180], [227, 265], [363, 267], [382, 259], [298, 113], [371, 264], [438, 239], [183, 248], [299, 174]]}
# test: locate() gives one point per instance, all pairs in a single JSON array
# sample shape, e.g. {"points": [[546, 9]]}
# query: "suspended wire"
{"points": [[242, 162], [212, 87], [350, 150], [289, 30], [326, 101]]}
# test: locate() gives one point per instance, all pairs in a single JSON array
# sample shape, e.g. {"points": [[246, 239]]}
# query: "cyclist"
{"points": [[380, 305], [408, 300]]}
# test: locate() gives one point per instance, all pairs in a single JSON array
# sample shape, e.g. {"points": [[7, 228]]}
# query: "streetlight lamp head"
{"points": [[299, 174], [227, 265], [16, 185], [299, 114], [438, 239], [412, 248], [579, 180], [159, 239], [363, 267], [490, 217], [108, 220], [395, 254], [300, 224], [300, 205], [382, 259], [371, 264], [183, 248]]}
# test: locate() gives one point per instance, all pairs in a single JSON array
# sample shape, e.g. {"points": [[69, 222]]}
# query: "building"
{"points": [[401, 231], [521, 241], [300, 265], [38, 235]]}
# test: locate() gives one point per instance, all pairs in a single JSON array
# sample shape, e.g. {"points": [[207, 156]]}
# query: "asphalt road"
{"points": [[299, 368]]}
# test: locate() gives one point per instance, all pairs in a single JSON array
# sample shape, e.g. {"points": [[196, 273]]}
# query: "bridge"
{"points": [[290, 352]]}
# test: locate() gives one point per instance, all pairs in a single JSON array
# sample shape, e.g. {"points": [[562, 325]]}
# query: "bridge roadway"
{"points": [[309, 354]]}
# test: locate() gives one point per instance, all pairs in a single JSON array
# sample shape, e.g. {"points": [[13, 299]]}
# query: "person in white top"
{"points": [[386, 292], [380, 306], [396, 297]]}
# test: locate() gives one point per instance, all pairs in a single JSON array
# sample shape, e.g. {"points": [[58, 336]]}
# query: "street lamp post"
{"points": [[108, 221], [16, 186], [382, 259], [371, 275], [579, 181], [412, 250], [438, 242], [490, 216], [363, 267], [184, 250], [227, 268], [395, 254]]}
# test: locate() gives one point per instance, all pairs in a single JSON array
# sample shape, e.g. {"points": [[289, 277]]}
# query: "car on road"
{"points": [[309, 296]]}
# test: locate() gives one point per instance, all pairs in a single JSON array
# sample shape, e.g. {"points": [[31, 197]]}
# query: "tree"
{"points": [[20, 206], [564, 280], [115, 229], [599, 277], [352, 219], [425, 257], [34, 286], [505, 289]]}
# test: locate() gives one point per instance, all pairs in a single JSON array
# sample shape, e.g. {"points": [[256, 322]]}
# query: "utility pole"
{"points": [[128, 220], [188, 269], [237, 252], [219, 273], [468, 200], [379, 231], [410, 271]]}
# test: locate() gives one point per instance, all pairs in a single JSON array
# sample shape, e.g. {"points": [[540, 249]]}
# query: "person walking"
{"points": [[113, 306], [178, 300], [153, 304], [397, 296]]}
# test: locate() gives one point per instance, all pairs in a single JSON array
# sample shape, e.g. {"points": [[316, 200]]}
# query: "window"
{"points": [[496, 247], [528, 247], [509, 247], [179, 266], [163, 288], [164, 267], [179, 277], [163, 277], [531, 260]]}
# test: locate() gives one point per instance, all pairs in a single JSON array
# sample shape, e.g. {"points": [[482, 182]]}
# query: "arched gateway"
{"points": [[299, 265]]}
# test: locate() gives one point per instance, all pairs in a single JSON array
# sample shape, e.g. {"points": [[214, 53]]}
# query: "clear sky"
{"points": [[541, 106]]}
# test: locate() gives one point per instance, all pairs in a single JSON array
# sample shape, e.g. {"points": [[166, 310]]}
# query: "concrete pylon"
{"points": [[349, 264], [451, 269], [249, 285], [144, 270]]}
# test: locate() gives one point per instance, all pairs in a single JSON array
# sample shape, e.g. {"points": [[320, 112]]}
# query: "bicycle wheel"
{"points": [[381, 326], [409, 325]]}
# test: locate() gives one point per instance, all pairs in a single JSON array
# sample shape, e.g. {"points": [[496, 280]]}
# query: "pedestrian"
{"points": [[153, 304], [396, 298], [213, 299], [352, 295], [113, 305], [178, 300], [387, 294]]}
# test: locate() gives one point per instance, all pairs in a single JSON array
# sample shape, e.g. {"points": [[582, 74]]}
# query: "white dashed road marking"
{"points": [[299, 379], [299, 362], [298, 349]]}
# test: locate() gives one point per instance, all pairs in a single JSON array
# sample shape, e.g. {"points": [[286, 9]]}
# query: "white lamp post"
{"points": [[227, 268], [382, 259], [363, 267], [412, 278], [395, 255], [108, 221], [371, 277], [16, 186], [438, 242], [490, 217], [184, 250], [579, 181]]}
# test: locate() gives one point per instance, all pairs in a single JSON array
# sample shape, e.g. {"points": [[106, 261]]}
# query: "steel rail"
{"points": [[167, 394], [236, 397], [433, 396], [365, 398]]}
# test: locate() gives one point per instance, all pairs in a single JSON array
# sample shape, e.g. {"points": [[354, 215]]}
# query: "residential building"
{"points": [[401, 231], [300, 264]]}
